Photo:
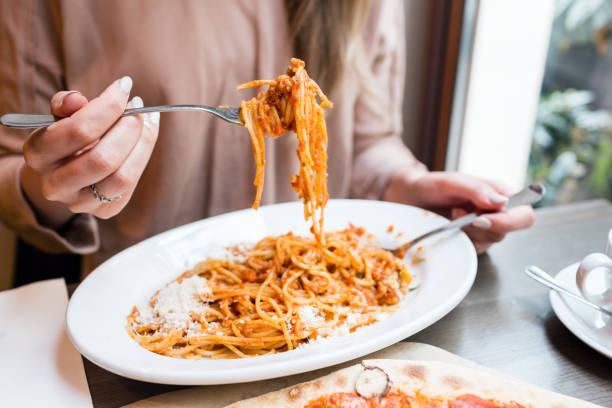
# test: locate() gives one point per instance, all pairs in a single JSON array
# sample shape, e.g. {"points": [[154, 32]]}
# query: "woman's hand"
{"points": [[455, 194], [92, 145]]}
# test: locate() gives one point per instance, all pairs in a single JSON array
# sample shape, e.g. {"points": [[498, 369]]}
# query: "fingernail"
{"points": [[137, 102], [152, 119], [496, 198], [125, 84], [66, 96], [482, 222]]}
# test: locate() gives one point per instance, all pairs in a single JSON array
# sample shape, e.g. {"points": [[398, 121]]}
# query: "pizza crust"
{"points": [[433, 379]]}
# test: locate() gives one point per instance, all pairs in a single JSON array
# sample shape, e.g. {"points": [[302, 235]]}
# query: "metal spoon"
{"points": [[547, 280], [529, 195], [27, 121]]}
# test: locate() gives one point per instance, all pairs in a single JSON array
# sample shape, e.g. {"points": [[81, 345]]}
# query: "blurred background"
{"points": [[515, 90], [572, 138]]}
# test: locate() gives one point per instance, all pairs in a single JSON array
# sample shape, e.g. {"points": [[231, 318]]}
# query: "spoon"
{"points": [[547, 280], [529, 195]]}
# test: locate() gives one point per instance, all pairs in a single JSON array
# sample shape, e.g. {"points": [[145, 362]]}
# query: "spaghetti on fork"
{"points": [[290, 104]]}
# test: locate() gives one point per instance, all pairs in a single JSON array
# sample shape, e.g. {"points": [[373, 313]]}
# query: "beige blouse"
{"points": [[187, 52]]}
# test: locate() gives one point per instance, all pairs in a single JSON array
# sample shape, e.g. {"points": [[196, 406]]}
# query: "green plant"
{"points": [[572, 140], [572, 146]]}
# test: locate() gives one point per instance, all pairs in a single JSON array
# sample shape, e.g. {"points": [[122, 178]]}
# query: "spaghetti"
{"points": [[286, 290], [290, 104], [283, 292]]}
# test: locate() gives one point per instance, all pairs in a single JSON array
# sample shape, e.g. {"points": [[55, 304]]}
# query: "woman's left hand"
{"points": [[454, 194]]}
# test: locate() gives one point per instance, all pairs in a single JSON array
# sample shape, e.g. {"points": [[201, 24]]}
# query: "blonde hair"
{"points": [[326, 34]]}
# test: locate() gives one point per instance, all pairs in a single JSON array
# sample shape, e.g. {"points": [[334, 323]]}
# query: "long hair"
{"points": [[326, 34]]}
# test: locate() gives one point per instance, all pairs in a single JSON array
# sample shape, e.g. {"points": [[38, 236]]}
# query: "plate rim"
{"points": [[168, 376]]}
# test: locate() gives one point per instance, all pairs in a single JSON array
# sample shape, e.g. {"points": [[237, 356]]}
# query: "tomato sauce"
{"points": [[398, 399]]}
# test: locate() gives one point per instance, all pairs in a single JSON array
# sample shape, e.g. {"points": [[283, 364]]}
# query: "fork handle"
{"points": [[529, 195], [27, 121]]}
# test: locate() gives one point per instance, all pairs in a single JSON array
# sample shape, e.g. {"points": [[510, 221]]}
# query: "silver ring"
{"points": [[101, 198]]}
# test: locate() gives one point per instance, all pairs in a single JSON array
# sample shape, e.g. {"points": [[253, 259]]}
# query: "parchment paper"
{"points": [[218, 396]]}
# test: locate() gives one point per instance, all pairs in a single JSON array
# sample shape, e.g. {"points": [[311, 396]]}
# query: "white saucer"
{"points": [[586, 323]]}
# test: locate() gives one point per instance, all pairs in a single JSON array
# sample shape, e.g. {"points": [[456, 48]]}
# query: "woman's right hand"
{"points": [[92, 145]]}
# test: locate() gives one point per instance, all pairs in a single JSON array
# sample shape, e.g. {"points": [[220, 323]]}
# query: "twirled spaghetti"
{"points": [[290, 104], [285, 291]]}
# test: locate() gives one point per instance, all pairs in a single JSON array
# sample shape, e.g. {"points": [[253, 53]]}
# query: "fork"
{"points": [[27, 121], [529, 195]]}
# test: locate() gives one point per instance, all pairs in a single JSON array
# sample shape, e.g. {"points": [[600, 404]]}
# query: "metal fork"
{"points": [[529, 195], [26, 121]]}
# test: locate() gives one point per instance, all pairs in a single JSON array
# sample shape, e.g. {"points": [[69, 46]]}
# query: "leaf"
{"points": [[602, 167], [561, 167], [594, 120], [542, 137]]}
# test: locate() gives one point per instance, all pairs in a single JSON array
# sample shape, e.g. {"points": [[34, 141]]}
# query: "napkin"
{"points": [[38, 364]]}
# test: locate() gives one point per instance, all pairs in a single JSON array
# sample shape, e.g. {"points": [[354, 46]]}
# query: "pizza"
{"points": [[411, 384]]}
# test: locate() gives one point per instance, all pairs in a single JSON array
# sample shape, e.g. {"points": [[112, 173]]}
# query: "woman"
{"points": [[95, 183]]}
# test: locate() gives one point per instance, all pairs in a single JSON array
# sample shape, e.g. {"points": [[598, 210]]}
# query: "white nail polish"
{"points": [[125, 84], [482, 222], [152, 119], [137, 102], [498, 198]]}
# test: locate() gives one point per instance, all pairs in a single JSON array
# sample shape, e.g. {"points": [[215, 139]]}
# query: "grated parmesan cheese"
{"points": [[175, 302], [212, 326], [328, 332], [352, 319], [381, 316], [310, 316], [194, 329], [232, 254], [145, 315]]}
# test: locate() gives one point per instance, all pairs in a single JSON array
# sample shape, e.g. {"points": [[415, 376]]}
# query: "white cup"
{"points": [[600, 265]]}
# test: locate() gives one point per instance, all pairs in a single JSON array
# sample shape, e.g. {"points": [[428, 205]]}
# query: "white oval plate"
{"points": [[97, 311], [586, 323]]}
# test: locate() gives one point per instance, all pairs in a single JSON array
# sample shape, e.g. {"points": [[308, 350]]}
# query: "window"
{"points": [[571, 151], [536, 102], [493, 122]]}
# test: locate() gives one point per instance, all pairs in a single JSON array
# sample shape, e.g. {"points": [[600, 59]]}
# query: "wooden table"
{"points": [[505, 322]]}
